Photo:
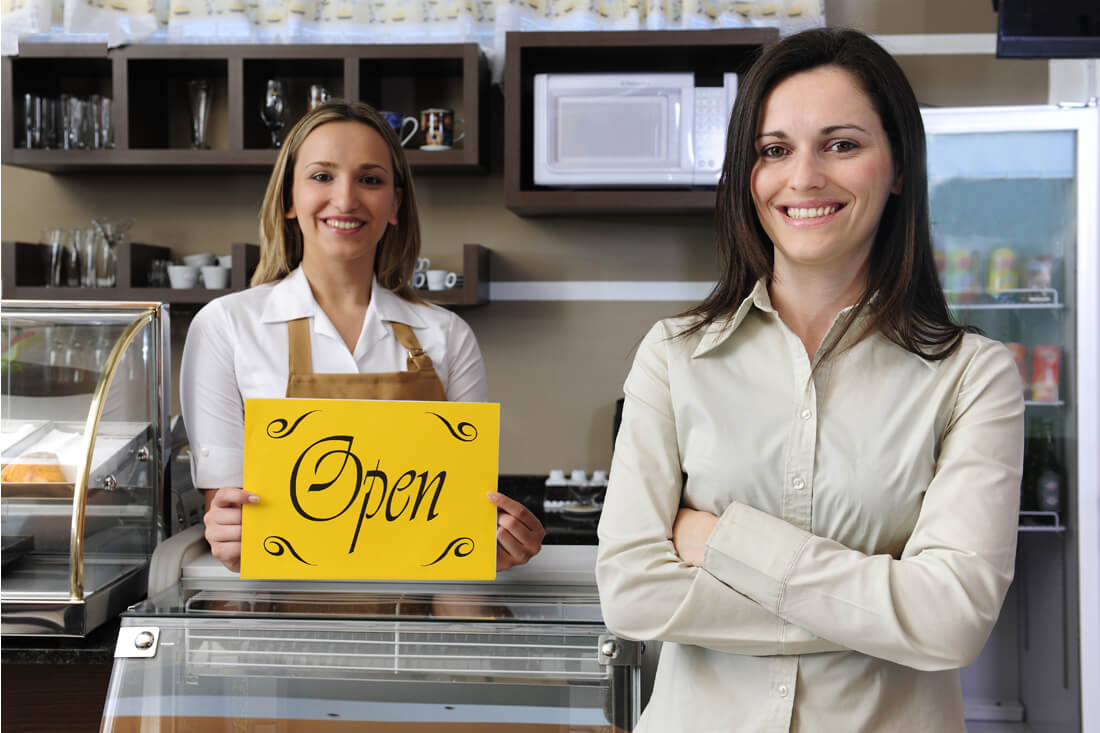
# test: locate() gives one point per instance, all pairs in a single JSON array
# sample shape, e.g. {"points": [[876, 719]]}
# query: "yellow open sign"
{"points": [[370, 489]]}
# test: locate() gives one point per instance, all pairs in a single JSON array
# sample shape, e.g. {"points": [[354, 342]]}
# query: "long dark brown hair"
{"points": [[909, 307], [281, 238]]}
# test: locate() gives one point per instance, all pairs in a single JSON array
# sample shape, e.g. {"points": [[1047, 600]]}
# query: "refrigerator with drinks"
{"points": [[1015, 205]]}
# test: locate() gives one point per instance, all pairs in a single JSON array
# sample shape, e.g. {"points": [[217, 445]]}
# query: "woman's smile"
{"points": [[344, 225], [810, 213]]}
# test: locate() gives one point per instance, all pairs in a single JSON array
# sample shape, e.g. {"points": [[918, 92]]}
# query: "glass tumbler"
{"points": [[87, 242], [33, 106], [106, 262], [72, 263], [56, 241], [200, 93]]}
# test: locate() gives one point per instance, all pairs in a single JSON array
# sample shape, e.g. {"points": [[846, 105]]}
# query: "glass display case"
{"points": [[528, 652], [83, 416]]}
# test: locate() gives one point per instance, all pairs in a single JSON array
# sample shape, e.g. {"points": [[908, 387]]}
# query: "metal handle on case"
{"points": [[91, 427]]}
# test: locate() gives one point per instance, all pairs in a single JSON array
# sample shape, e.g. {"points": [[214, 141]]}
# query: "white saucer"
{"points": [[435, 147]]}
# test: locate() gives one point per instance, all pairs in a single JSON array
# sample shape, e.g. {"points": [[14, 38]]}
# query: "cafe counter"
{"points": [[527, 652]]}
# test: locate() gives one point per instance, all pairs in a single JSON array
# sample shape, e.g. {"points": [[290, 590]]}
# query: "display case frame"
{"points": [[70, 588]]}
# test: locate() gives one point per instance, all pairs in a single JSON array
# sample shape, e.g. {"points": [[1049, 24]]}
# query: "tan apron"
{"points": [[420, 382]]}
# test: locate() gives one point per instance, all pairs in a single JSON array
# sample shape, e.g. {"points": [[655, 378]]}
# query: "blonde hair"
{"points": [[281, 238]]}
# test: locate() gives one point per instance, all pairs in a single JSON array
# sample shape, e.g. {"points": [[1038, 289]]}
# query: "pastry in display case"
{"points": [[83, 415]]}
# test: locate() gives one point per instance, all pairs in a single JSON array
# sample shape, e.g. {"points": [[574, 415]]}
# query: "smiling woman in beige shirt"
{"points": [[814, 493]]}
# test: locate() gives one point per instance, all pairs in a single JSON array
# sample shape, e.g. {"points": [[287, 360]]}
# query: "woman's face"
{"points": [[824, 171], [343, 193]]}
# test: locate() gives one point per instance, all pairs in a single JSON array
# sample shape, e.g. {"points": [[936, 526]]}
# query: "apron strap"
{"points": [[417, 359], [301, 356]]}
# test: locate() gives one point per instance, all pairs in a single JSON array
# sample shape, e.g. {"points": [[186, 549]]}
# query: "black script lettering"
{"points": [[423, 490], [399, 486], [322, 485], [372, 475]]}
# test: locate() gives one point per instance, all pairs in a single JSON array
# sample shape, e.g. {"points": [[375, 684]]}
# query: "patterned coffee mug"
{"points": [[398, 123], [438, 126]]}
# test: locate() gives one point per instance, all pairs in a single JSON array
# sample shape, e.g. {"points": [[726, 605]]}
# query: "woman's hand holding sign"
{"points": [[223, 523], [519, 533]]}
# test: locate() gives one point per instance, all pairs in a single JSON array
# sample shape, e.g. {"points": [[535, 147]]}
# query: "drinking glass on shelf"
{"points": [[103, 128], [64, 122], [200, 92], [273, 111], [51, 123], [86, 241], [111, 232], [57, 242], [72, 262], [106, 265], [32, 121]]}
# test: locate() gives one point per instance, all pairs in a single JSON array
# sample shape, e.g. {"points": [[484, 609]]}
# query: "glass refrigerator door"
{"points": [[1013, 196]]}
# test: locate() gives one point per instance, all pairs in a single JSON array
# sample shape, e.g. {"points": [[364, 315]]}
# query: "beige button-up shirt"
{"points": [[867, 527]]}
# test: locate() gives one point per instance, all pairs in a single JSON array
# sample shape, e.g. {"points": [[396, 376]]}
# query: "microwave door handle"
{"points": [[687, 129]]}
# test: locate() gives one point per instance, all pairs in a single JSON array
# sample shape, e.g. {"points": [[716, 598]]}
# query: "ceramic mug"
{"points": [[398, 123], [438, 126], [437, 279]]}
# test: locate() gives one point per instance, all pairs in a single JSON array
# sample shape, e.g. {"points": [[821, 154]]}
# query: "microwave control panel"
{"points": [[712, 113], [710, 132]]}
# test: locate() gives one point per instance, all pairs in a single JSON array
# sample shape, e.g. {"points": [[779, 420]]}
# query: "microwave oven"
{"points": [[634, 130]]}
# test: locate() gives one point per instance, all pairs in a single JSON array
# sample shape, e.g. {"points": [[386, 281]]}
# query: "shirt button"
{"points": [[204, 452], [783, 690], [806, 414], [798, 483]]}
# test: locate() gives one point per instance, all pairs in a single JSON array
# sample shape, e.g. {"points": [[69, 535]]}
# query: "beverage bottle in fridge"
{"points": [[1043, 474]]}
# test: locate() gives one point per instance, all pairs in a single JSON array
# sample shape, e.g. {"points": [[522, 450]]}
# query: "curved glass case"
{"points": [[83, 418]]}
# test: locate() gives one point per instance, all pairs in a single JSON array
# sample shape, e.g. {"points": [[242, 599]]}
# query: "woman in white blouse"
{"points": [[330, 314], [813, 499]]}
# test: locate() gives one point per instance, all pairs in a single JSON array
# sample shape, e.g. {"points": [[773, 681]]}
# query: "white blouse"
{"points": [[236, 348], [866, 534]]}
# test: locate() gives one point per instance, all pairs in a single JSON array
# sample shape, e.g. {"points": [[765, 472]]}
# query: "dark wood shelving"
{"points": [[530, 53], [151, 118], [24, 275], [23, 270], [475, 280]]}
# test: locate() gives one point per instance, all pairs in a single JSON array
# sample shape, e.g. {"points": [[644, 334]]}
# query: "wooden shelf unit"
{"points": [[151, 115], [475, 280], [707, 52], [24, 272]]}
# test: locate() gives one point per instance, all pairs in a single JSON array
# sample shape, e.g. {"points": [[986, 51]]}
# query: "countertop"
{"points": [[98, 647]]}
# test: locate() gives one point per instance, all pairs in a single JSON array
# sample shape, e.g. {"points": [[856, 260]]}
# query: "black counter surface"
{"points": [[98, 647]]}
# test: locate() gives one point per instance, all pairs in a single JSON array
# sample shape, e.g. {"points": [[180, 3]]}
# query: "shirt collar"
{"points": [[719, 331], [384, 307], [392, 307], [292, 298]]}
